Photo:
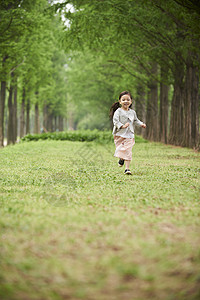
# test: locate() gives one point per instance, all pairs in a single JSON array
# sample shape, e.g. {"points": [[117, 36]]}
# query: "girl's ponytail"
{"points": [[113, 108]]}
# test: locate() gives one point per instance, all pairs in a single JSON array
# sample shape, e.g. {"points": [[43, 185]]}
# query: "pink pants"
{"points": [[123, 147]]}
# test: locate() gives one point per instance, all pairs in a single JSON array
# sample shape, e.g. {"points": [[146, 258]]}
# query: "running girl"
{"points": [[124, 121]]}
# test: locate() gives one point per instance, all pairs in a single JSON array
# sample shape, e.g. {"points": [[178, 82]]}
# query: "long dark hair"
{"points": [[116, 105]]}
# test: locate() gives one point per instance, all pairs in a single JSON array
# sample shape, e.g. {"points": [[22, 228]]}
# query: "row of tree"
{"points": [[32, 69], [151, 47]]}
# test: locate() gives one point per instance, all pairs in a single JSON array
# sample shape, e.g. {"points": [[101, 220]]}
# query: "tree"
{"points": [[31, 36], [154, 31]]}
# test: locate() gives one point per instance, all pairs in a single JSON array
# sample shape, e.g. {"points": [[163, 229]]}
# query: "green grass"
{"points": [[73, 226]]}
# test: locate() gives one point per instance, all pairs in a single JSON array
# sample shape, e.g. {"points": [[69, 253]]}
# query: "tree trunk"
{"points": [[15, 112], [28, 116], [70, 121], [191, 104], [2, 100], [48, 119], [22, 117], [164, 108], [152, 108], [45, 117], [10, 131], [50, 122], [55, 127], [37, 119], [177, 106], [2, 108], [140, 107], [60, 123]]}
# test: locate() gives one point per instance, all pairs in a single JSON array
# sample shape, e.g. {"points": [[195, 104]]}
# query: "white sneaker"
{"points": [[128, 172]]}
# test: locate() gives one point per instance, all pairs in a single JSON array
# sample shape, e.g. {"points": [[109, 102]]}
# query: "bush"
{"points": [[77, 135]]}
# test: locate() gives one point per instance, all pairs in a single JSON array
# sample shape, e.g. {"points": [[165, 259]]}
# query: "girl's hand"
{"points": [[125, 125], [143, 125]]}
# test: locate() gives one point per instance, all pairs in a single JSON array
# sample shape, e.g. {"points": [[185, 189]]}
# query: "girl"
{"points": [[124, 120]]}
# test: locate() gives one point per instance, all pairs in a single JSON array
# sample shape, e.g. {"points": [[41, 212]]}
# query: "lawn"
{"points": [[73, 226]]}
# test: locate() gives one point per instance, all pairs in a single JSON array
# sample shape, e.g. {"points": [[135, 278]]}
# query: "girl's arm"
{"points": [[116, 120], [138, 122]]}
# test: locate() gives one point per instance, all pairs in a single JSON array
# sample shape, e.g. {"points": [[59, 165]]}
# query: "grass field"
{"points": [[73, 226]]}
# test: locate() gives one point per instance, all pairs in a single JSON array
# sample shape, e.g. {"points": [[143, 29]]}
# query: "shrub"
{"points": [[77, 135]]}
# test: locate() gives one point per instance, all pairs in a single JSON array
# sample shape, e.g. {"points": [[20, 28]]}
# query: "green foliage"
{"points": [[94, 84], [136, 32], [19, 23], [78, 135], [30, 43], [92, 121]]}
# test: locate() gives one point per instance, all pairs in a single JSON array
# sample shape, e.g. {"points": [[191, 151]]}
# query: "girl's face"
{"points": [[125, 101]]}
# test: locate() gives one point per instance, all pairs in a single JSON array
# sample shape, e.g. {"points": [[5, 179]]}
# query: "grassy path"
{"points": [[74, 227]]}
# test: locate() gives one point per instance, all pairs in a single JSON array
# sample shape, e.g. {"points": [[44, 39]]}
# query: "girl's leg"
{"points": [[127, 163]]}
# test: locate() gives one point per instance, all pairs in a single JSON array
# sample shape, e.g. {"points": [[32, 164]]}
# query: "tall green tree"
{"points": [[18, 21], [31, 36], [146, 32]]}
